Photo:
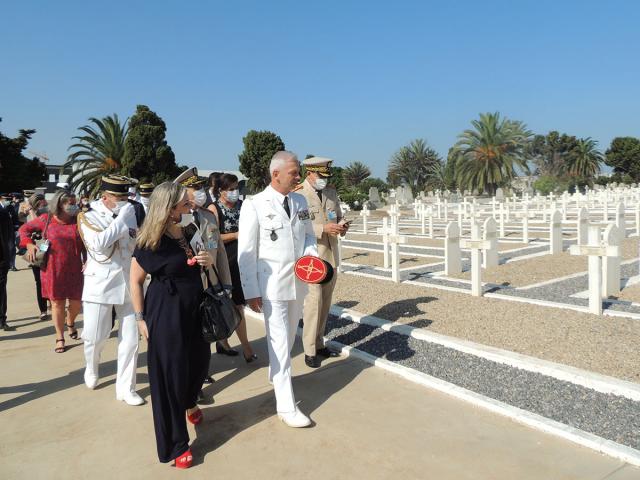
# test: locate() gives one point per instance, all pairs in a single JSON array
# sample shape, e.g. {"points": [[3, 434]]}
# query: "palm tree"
{"points": [[585, 159], [355, 173], [97, 153], [489, 154], [413, 164]]}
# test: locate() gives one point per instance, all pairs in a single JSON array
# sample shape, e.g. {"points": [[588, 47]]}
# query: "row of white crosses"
{"points": [[391, 238]]}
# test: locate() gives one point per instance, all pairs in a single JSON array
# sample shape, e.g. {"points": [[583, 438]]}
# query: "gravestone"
{"points": [[452, 256], [475, 245], [611, 264], [374, 197], [499, 195], [490, 254], [555, 233], [582, 226]]}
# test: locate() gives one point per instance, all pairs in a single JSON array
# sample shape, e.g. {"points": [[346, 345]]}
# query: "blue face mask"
{"points": [[233, 195]]}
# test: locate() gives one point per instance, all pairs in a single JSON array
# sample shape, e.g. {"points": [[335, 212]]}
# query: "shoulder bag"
{"points": [[42, 248], [218, 314]]}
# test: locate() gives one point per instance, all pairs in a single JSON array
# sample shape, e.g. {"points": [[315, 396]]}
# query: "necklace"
{"points": [[182, 241]]}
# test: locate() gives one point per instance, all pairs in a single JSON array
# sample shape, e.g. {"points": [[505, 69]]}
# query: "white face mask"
{"points": [[118, 206], [320, 184], [200, 198], [186, 219], [233, 195]]}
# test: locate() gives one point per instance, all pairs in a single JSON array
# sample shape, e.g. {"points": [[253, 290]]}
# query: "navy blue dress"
{"points": [[177, 356]]}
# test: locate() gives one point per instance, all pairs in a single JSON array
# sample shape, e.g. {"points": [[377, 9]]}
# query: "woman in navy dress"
{"points": [[177, 355]]}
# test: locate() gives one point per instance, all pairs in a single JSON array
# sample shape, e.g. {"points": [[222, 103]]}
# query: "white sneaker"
{"points": [[131, 398], [90, 380], [295, 419]]}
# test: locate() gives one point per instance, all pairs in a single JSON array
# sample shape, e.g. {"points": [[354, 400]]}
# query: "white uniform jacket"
{"points": [[110, 243], [269, 244]]}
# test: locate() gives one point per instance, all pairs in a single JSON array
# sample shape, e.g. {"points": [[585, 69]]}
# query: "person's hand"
{"points": [[31, 252], [333, 229], [128, 215], [142, 328], [345, 226], [255, 304], [204, 258]]}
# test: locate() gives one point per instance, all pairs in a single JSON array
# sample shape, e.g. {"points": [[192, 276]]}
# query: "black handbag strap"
{"points": [[215, 270]]}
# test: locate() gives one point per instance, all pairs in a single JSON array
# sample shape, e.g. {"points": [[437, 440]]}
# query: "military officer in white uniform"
{"points": [[328, 223], [274, 232], [108, 230], [145, 190]]}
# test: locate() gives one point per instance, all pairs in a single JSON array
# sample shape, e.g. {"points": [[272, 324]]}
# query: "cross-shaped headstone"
{"points": [[525, 215], [476, 245], [595, 250], [365, 213]]}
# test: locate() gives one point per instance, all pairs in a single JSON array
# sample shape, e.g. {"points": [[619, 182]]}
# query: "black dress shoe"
{"points": [[225, 351], [312, 362], [326, 353]]}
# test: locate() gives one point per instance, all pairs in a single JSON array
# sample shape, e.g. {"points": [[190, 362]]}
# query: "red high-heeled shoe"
{"points": [[195, 418], [185, 460]]}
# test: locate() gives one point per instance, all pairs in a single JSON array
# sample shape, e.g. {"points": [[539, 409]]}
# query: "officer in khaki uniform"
{"points": [[328, 223]]}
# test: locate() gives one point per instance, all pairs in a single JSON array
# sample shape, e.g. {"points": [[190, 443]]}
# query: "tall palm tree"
{"points": [[355, 173], [97, 153], [413, 164], [585, 159], [491, 152]]}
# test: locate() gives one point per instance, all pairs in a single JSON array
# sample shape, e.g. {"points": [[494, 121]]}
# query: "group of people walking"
{"points": [[146, 265]]}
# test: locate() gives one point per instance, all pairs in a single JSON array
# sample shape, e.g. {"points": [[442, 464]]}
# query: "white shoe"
{"points": [[131, 398], [295, 419], [90, 380]]}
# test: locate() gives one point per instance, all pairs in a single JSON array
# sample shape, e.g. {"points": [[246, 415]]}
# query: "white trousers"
{"points": [[281, 321], [97, 325]]}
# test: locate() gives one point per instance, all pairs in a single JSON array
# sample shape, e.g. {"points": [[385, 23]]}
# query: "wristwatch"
{"points": [[139, 316]]}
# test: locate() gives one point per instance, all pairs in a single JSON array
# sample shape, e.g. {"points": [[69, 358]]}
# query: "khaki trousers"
{"points": [[316, 310]]}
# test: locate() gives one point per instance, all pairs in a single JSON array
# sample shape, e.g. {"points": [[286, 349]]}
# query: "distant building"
{"points": [[57, 176]]}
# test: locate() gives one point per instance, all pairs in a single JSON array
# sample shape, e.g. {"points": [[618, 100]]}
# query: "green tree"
{"points": [[413, 164], [450, 170], [337, 179], [552, 154], [259, 147], [147, 155], [624, 156], [380, 184], [18, 172], [100, 151], [355, 173], [491, 153], [585, 159]]}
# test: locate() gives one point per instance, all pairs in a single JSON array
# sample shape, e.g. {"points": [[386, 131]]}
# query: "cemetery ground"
{"points": [[368, 423], [504, 313]]}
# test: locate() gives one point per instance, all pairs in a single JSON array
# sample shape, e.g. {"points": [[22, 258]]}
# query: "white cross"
{"points": [[476, 245]]}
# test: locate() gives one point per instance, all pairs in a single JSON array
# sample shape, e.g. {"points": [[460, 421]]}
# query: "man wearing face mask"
{"points": [[145, 190], [328, 223], [109, 231]]}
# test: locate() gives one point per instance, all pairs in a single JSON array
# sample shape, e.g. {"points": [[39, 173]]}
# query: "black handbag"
{"points": [[218, 313]]}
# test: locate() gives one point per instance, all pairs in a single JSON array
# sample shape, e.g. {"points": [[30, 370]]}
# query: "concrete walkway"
{"points": [[368, 423]]}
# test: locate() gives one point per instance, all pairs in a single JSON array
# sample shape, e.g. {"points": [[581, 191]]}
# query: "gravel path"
{"points": [[375, 259], [631, 293], [606, 345], [608, 416], [426, 242]]}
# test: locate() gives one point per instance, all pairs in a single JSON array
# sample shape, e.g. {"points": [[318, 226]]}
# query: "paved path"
{"points": [[369, 424]]}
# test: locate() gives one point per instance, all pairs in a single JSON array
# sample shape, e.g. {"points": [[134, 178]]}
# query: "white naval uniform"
{"points": [[269, 243], [106, 286]]}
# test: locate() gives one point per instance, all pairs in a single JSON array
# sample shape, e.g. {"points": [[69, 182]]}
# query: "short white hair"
{"points": [[280, 159]]}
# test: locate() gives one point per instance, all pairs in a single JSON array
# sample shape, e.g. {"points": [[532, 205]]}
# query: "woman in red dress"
{"points": [[61, 277]]}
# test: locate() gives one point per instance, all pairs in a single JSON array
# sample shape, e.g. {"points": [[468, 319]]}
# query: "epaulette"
{"points": [[300, 186]]}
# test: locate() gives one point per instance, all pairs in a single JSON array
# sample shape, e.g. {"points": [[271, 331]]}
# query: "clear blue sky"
{"points": [[348, 80]]}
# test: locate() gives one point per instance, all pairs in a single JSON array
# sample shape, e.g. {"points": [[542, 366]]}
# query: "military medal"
{"points": [[274, 235]]}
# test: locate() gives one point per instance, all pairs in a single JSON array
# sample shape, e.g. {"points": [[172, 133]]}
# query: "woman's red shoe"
{"points": [[195, 418], [185, 460]]}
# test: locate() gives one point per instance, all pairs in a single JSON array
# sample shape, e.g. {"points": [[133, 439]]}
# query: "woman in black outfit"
{"points": [[168, 317], [227, 210]]}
